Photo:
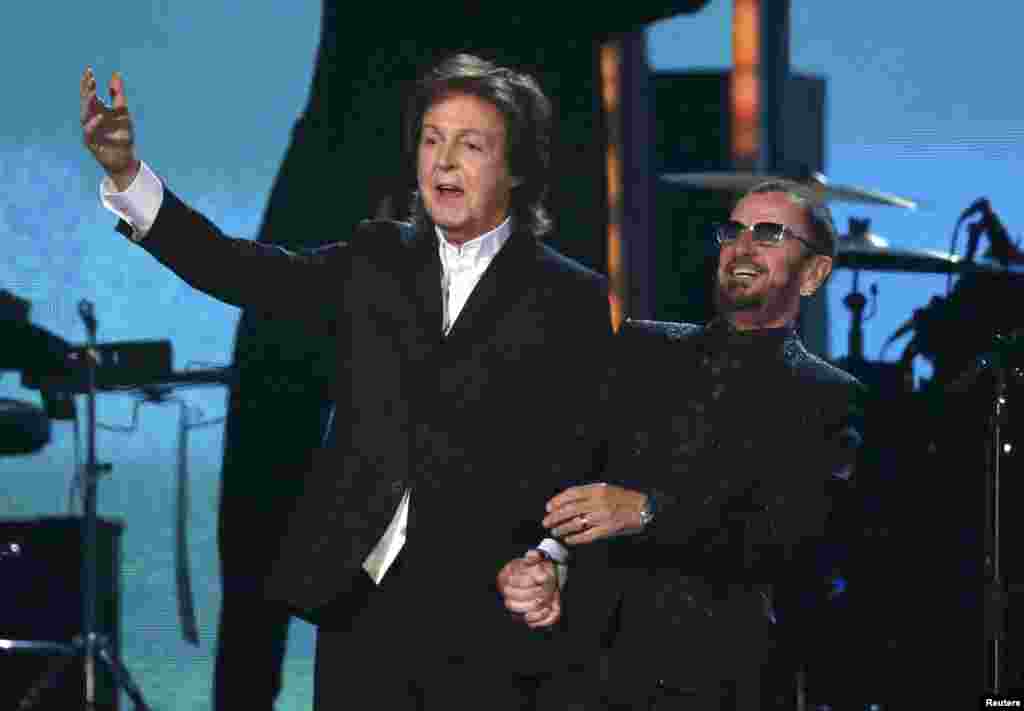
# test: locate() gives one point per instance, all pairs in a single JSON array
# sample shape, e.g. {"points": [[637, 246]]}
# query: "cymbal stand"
{"points": [[855, 301], [89, 645]]}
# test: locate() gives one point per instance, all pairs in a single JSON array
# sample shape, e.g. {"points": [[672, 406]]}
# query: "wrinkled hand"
{"points": [[107, 130], [529, 587], [588, 513]]}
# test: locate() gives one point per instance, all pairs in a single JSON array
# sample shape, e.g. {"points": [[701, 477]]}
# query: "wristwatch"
{"points": [[647, 511]]}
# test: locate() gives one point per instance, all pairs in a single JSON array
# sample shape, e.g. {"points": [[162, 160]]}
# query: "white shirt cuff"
{"points": [[555, 550], [139, 204], [560, 555]]}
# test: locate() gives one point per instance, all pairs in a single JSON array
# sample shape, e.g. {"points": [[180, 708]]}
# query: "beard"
{"points": [[731, 297]]}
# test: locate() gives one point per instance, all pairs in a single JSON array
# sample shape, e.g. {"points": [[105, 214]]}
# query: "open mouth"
{"points": [[744, 272], [449, 190]]}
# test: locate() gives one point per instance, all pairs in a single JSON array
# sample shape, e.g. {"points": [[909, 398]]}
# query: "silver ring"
{"points": [[583, 521]]}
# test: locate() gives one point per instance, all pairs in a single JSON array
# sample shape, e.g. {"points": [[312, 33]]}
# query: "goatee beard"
{"points": [[728, 301]]}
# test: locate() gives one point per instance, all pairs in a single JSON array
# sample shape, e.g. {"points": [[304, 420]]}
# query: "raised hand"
{"points": [[107, 130]]}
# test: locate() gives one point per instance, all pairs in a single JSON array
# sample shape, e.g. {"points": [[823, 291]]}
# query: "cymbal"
{"points": [[866, 250], [828, 192]]}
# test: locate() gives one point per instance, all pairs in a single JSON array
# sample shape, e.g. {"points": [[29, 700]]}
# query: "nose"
{"points": [[744, 242], [447, 157]]}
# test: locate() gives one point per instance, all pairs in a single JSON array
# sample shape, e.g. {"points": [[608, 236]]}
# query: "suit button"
{"points": [[397, 487]]}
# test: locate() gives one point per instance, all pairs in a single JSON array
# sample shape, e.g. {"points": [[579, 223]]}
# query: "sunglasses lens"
{"points": [[768, 232], [728, 231], [763, 232]]}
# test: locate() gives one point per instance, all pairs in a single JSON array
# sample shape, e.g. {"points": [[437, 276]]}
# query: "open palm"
{"points": [[107, 130]]}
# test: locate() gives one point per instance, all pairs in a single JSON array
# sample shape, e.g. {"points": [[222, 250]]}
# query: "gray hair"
{"points": [[818, 213]]}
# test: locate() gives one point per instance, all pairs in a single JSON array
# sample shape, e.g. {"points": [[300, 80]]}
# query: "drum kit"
{"points": [[61, 371]]}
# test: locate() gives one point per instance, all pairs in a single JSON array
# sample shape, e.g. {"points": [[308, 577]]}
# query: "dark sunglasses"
{"points": [[768, 234]]}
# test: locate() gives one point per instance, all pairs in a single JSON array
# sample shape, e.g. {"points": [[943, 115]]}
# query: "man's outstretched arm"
{"points": [[237, 271]]}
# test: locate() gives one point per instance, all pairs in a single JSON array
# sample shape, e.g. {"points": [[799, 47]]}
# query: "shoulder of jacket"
{"points": [[668, 331], [402, 231]]}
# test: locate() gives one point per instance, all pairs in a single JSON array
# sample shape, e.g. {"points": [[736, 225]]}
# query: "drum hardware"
{"points": [[90, 646], [1005, 363], [862, 249], [61, 371], [827, 191]]}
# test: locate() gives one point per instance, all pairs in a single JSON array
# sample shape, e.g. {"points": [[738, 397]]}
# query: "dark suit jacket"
{"points": [[484, 425], [737, 438]]}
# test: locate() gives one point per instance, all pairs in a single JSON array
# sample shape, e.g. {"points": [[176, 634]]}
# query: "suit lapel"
{"points": [[501, 284], [425, 287]]}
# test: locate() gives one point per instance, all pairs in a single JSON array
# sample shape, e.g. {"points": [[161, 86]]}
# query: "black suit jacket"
{"points": [[484, 425], [738, 441]]}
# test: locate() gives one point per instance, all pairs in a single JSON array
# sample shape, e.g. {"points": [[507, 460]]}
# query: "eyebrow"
{"points": [[461, 131]]}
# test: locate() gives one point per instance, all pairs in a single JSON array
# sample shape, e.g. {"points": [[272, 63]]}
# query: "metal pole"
{"points": [[774, 71], [85, 310]]}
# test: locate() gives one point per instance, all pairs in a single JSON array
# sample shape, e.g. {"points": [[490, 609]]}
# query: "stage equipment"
{"points": [[863, 249], [89, 645], [24, 427], [41, 565], [996, 374], [828, 192]]}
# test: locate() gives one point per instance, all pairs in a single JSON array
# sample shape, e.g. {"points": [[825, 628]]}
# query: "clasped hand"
{"points": [[529, 587], [578, 515]]}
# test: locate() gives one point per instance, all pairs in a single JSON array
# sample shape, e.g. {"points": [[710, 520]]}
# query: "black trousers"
{"points": [[252, 635], [367, 660]]}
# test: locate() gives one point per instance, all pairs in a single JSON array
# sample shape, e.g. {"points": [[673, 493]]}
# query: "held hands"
{"points": [[584, 514], [529, 587], [107, 130]]}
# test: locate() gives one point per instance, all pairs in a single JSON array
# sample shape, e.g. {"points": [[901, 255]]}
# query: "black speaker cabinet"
{"points": [[41, 599]]}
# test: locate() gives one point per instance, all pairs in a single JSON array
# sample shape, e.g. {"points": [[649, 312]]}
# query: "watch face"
{"points": [[646, 515]]}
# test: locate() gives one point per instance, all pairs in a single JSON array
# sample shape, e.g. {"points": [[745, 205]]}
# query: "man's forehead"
{"points": [[464, 112], [770, 207]]}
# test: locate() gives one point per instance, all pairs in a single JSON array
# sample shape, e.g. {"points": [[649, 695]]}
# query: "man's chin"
{"points": [[734, 300]]}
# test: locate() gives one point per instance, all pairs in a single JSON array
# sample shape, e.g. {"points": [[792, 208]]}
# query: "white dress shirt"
{"points": [[462, 267]]}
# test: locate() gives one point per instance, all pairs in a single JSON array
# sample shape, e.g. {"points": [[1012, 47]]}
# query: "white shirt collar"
{"points": [[480, 248]]}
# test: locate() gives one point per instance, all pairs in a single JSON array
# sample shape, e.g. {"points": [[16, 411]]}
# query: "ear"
{"points": [[814, 274]]}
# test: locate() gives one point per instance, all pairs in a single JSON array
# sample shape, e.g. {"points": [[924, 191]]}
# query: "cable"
{"points": [[126, 429]]}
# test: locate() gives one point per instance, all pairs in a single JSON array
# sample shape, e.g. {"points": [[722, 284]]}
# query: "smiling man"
{"points": [[464, 357], [729, 441]]}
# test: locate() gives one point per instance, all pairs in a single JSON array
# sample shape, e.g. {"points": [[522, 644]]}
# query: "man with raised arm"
{"points": [[464, 357]]}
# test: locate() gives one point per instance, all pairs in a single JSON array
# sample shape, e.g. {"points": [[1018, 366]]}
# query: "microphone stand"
{"points": [[90, 646], [995, 602]]}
